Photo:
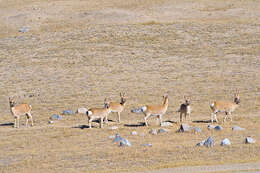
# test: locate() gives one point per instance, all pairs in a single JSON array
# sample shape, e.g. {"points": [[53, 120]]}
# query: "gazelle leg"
{"points": [[160, 118], [180, 117], [101, 122], [146, 118], [118, 113], [89, 123], [226, 116], [230, 117], [27, 119], [15, 122], [18, 122], [106, 118]]}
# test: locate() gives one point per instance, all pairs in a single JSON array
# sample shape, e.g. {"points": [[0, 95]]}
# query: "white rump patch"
{"points": [[89, 113], [143, 108], [212, 105]]}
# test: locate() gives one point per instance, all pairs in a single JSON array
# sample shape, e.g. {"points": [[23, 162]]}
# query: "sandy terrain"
{"points": [[76, 53]]}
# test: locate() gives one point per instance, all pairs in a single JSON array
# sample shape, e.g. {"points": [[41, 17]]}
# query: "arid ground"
{"points": [[76, 53]]}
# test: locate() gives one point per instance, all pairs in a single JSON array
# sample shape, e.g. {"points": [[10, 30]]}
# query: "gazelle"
{"points": [[185, 108], [19, 110], [98, 113], [118, 107], [224, 106], [153, 110]]}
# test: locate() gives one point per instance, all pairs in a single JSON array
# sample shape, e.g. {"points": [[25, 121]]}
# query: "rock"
{"points": [[219, 128], [197, 130], [201, 143], [51, 122], [81, 110], [209, 142], [111, 137], [68, 112], [237, 128], [211, 126], [166, 124], [225, 142], [125, 142], [113, 128], [185, 128], [56, 117], [117, 138], [162, 131], [24, 29], [136, 110], [153, 132], [147, 145], [249, 140], [133, 133]]}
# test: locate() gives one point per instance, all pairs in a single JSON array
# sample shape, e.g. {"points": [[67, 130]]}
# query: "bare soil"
{"points": [[76, 53]]}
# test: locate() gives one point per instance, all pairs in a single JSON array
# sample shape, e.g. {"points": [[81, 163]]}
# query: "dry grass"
{"points": [[78, 53]]}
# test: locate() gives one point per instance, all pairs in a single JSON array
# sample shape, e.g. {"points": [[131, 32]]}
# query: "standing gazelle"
{"points": [[118, 107], [224, 106], [156, 110], [185, 109], [18, 110], [98, 114]]}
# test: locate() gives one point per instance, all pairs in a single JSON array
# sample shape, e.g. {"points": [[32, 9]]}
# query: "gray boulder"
{"points": [[200, 144], [81, 110], [56, 117], [225, 142], [219, 128], [133, 133], [209, 142], [153, 132], [249, 140], [125, 142], [68, 112], [185, 128], [166, 124], [117, 138], [211, 126], [51, 122], [237, 128], [24, 29], [162, 131], [113, 128], [147, 145]]}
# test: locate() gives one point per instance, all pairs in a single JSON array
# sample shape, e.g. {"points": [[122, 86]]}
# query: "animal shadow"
{"points": [[82, 126], [7, 124], [201, 121], [140, 124]]}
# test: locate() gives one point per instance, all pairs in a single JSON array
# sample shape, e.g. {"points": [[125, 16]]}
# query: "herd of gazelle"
{"points": [[101, 114]]}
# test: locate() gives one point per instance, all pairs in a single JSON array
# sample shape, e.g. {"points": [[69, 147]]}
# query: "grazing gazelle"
{"points": [[156, 110], [224, 106], [98, 114], [185, 108], [117, 107], [19, 110]]}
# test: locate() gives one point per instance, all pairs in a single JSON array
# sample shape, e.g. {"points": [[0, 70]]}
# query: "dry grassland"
{"points": [[79, 52]]}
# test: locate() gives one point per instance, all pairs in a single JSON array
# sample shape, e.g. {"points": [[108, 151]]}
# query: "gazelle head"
{"points": [[236, 97], [106, 104], [187, 100], [11, 101], [123, 99]]}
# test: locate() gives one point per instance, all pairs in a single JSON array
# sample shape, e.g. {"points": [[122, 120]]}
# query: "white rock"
{"points": [[82, 110]]}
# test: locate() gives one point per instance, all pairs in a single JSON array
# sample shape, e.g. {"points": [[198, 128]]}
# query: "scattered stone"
{"points": [[197, 130], [125, 142], [209, 142], [153, 132], [133, 133], [56, 117], [147, 145], [219, 128], [68, 112], [185, 128], [117, 138], [24, 29], [81, 110], [136, 110], [237, 128], [225, 142], [166, 124], [162, 131], [51, 122], [249, 140], [200, 144], [113, 128], [211, 126], [111, 137]]}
